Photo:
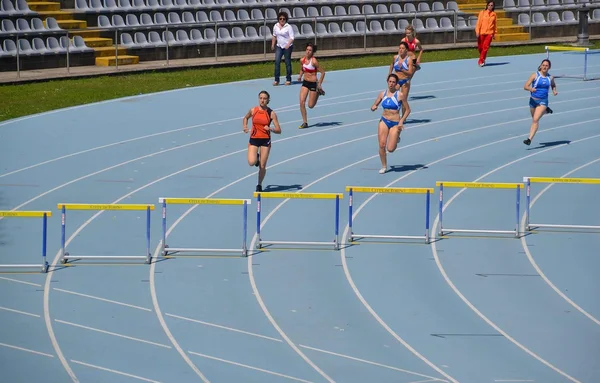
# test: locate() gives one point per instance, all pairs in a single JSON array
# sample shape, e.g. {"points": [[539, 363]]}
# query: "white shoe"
{"points": [[382, 170]]}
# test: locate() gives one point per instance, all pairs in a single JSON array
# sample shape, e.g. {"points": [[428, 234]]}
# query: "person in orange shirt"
{"points": [[485, 30], [259, 145]]}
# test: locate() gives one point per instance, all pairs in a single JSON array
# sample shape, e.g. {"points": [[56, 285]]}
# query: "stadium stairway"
{"points": [[507, 30], [106, 51]]}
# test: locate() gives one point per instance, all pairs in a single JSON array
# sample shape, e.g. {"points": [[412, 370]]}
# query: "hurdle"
{"points": [[166, 250], [336, 196], [586, 53], [391, 190], [550, 180], [479, 185], [65, 256], [31, 214]]}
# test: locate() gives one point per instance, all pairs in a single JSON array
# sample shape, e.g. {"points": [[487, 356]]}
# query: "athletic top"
{"points": [[411, 46], [404, 65], [390, 102], [541, 85], [261, 119], [308, 67]]}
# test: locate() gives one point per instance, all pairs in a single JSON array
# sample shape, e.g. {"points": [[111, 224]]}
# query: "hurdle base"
{"points": [[43, 268], [261, 242], [479, 231], [172, 250], [558, 226], [353, 236], [66, 257]]}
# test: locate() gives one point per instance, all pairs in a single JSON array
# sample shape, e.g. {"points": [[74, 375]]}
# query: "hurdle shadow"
{"points": [[416, 98], [417, 120], [280, 188], [543, 145], [406, 168], [269, 248]]}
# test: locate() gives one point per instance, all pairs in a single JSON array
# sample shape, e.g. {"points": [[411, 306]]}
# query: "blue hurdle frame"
{"points": [[260, 242], [44, 266], [166, 250]]}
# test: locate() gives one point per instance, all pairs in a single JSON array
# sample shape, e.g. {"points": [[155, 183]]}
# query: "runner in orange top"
{"points": [[260, 136], [485, 30]]}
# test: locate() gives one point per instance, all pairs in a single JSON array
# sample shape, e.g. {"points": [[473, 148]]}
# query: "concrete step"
{"points": [[502, 30], [109, 51], [504, 22], [39, 6], [112, 60], [72, 24], [512, 37], [96, 42], [89, 33], [58, 15]]}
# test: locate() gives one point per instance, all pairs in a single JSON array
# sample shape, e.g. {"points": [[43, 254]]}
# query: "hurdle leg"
{"points": [[245, 230], [527, 204], [164, 229], [518, 211], [585, 62], [258, 245], [350, 197], [63, 222], [336, 243], [44, 241], [149, 254], [441, 212], [427, 199]]}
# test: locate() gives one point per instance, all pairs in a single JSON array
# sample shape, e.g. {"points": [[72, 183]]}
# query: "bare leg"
{"points": [[252, 155], [303, 96], [313, 97], [264, 157], [536, 114], [382, 135], [392, 142]]}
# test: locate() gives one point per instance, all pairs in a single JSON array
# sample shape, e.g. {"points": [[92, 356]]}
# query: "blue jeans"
{"points": [[287, 54]]}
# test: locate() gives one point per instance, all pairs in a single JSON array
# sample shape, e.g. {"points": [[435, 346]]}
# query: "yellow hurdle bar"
{"points": [[368, 189], [25, 214], [300, 195], [204, 201], [480, 185], [564, 48], [168, 250], [555, 180], [91, 206], [31, 214]]}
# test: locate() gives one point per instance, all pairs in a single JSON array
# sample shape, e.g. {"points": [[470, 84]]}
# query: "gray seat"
{"points": [[196, 36], [339, 10], [140, 39], [39, 46], [117, 21], [52, 45], [431, 24], [23, 25], [182, 37], [348, 27], [146, 19], [52, 24], [37, 25], [132, 20], [8, 26], [389, 26], [127, 40]]}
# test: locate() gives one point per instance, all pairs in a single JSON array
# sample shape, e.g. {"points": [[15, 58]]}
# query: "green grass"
{"points": [[24, 99]]}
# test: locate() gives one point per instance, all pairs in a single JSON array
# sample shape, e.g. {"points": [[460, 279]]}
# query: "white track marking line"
{"points": [[26, 350], [457, 291], [20, 312], [514, 380], [19, 281], [431, 378], [357, 211], [112, 333], [532, 260], [114, 371], [249, 367], [102, 299], [223, 327], [176, 222]]}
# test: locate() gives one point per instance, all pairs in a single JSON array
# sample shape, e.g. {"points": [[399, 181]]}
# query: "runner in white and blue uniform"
{"points": [[539, 85], [391, 123], [402, 66]]}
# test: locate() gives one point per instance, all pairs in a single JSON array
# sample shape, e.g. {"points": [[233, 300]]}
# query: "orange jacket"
{"points": [[486, 23]]}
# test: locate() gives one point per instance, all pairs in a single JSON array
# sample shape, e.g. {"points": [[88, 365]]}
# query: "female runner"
{"points": [[404, 69], [538, 84], [311, 86]]}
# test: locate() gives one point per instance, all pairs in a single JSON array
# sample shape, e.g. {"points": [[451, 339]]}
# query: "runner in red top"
{"points": [[259, 145], [311, 86], [413, 44]]}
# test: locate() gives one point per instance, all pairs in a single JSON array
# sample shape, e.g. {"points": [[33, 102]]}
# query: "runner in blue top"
{"points": [[390, 124], [539, 84]]}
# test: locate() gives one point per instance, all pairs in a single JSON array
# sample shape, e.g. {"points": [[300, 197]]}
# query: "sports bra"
{"points": [[390, 102], [308, 68], [411, 46], [404, 65], [541, 85]]}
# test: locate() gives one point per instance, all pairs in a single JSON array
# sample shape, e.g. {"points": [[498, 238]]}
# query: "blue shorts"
{"points": [[403, 81], [534, 103], [390, 124]]}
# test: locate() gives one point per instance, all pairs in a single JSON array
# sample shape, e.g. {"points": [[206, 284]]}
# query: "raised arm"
{"points": [[527, 86], [377, 101], [245, 120], [277, 127]]}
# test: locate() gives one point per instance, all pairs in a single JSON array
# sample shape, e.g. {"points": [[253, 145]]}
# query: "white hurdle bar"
{"points": [[336, 196], [101, 207], [166, 249], [552, 180], [362, 189], [480, 185], [31, 214]]}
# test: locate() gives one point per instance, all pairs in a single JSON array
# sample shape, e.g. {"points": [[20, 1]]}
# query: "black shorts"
{"points": [[311, 85], [260, 142]]}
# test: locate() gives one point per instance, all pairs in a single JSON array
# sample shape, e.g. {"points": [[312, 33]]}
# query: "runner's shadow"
{"points": [[406, 168], [279, 188], [417, 121], [324, 124], [543, 145], [496, 64], [414, 98]]}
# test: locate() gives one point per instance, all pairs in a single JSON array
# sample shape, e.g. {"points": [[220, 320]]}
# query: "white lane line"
{"points": [[19, 312], [19, 281], [114, 371], [357, 211], [458, 292], [514, 380], [532, 260], [112, 333], [26, 350], [102, 299], [249, 367], [431, 378], [223, 327]]}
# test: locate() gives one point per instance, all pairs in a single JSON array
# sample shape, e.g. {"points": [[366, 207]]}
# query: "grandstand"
{"points": [[54, 34]]}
